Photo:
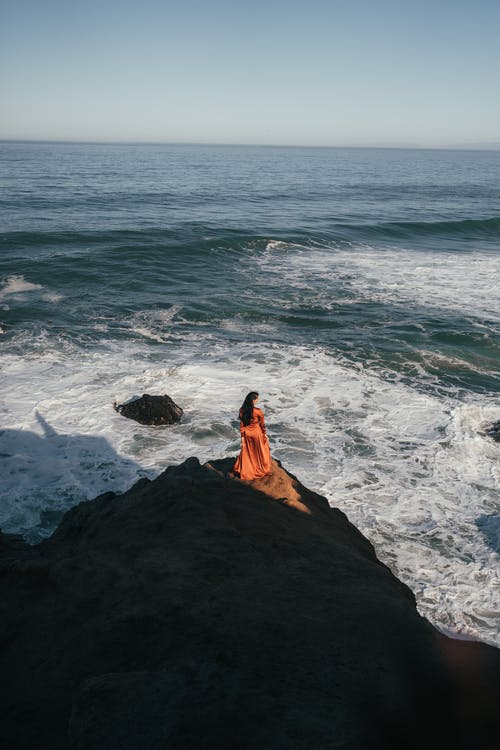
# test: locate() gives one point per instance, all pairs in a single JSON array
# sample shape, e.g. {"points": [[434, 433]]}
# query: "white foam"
{"points": [[143, 331], [53, 297], [15, 288], [156, 325], [442, 361], [408, 468], [391, 275], [17, 285]]}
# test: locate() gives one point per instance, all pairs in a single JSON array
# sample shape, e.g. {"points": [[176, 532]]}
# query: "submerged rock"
{"points": [[492, 430], [199, 611], [151, 410]]}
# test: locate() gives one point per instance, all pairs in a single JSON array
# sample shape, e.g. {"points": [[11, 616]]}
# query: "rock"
{"points": [[492, 430], [199, 611], [20, 561], [151, 410]]}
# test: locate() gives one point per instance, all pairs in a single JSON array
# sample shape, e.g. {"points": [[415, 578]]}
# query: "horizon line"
{"points": [[401, 147]]}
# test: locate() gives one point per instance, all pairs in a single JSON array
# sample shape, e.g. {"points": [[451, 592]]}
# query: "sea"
{"points": [[357, 290]]}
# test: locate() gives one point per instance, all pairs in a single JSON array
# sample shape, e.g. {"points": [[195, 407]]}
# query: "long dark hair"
{"points": [[247, 407]]}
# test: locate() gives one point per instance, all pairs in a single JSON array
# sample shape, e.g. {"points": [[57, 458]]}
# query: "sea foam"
{"points": [[17, 285], [408, 468]]}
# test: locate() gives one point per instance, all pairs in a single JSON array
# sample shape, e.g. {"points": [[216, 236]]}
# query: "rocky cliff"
{"points": [[198, 611]]}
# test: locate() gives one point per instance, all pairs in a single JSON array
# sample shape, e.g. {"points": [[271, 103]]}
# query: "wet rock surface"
{"points": [[151, 410]]}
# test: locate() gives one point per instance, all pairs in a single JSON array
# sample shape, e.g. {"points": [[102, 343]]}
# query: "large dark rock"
{"points": [[200, 612], [151, 410]]}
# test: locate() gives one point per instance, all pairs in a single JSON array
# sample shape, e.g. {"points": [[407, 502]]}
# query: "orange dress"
{"points": [[254, 460]]}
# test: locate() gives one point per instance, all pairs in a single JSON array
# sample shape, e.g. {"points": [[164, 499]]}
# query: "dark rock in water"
{"points": [[492, 430], [197, 612], [151, 410]]}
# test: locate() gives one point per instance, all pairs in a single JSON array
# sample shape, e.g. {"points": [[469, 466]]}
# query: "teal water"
{"points": [[199, 223], [357, 289]]}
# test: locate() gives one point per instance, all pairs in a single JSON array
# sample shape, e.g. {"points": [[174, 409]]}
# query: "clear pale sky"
{"points": [[315, 72]]}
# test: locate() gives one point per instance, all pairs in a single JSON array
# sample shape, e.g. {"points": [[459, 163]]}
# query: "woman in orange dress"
{"points": [[254, 460]]}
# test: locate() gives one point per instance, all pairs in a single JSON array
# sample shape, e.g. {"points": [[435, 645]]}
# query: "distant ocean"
{"points": [[356, 289]]}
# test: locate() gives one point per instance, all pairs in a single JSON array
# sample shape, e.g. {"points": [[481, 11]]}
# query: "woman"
{"points": [[254, 460]]}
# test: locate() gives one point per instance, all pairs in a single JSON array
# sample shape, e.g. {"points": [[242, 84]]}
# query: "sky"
{"points": [[316, 72]]}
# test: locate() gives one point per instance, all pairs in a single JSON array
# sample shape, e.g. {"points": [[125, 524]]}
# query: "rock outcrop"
{"points": [[197, 611], [492, 430], [151, 410]]}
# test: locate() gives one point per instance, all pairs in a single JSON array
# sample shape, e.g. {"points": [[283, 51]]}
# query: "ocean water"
{"points": [[356, 290]]}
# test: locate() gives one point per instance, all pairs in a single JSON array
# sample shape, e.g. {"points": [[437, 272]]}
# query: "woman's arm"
{"points": [[260, 417]]}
